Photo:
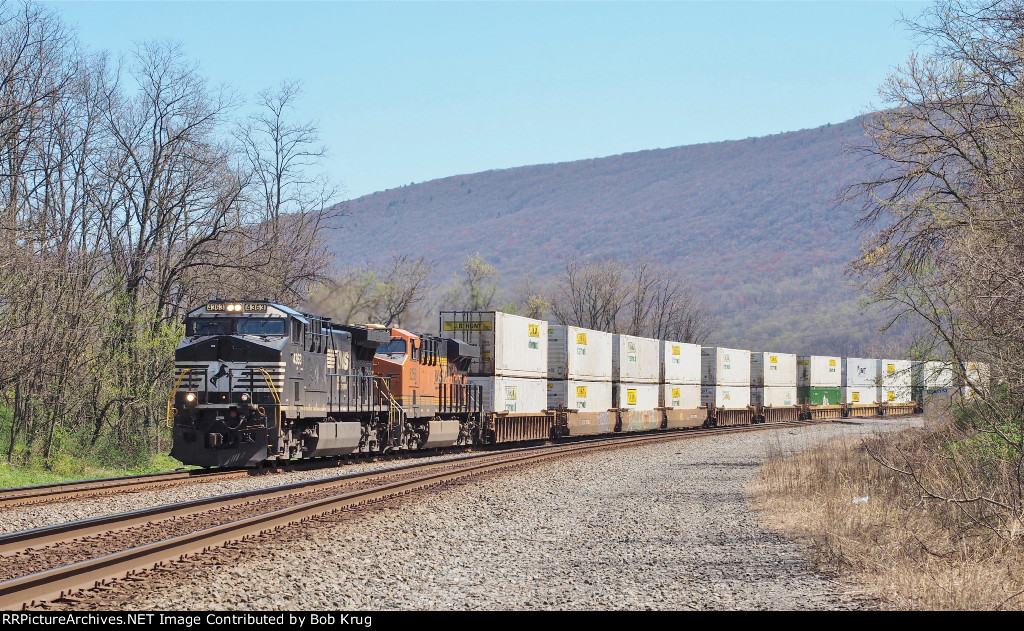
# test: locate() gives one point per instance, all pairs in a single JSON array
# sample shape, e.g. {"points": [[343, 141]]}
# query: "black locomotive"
{"points": [[260, 382]]}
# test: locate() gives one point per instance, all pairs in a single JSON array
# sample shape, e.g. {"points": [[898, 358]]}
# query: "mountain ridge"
{"points": [[753, 224]]}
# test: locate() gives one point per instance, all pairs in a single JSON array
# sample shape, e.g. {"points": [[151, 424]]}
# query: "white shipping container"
{"points": [[513, 394], [585, 396], [895, 374], [635, 359], [860, 373], [732, 397], [819, 371], [774, 396], [724, 367], [772, 369], [933, 376], [576, 353], [895, 395], [978, 374], [968, 393], [680, 363], [635, 396], [510, 345], [680, 396], [977, 379], [860, 395]]}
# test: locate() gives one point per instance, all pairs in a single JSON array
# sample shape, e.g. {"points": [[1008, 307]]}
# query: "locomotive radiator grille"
{"points": [[248, 378]]}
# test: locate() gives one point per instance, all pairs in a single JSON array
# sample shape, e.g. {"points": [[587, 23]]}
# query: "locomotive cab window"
{"points": [[261, 326], [208, 326], [296, 332], [394, 347]]}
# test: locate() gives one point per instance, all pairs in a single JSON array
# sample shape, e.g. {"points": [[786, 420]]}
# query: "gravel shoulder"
{"points": [[664, 526]]}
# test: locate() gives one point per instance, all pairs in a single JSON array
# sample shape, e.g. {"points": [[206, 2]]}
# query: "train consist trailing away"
{"points": [[259, 382]]}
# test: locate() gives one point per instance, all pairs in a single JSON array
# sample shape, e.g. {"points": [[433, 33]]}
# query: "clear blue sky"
{"points": [[412, 91]]}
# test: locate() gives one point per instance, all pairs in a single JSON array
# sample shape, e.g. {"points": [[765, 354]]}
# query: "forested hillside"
{"points": [[752, 223]]}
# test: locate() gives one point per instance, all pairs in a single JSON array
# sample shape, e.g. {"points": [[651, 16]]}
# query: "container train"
{"points": [[259, 382]]}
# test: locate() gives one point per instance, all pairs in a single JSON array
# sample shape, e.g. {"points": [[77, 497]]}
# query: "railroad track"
{"points": [[81, 489], [45, 493], [53, 563], [61, 491]]}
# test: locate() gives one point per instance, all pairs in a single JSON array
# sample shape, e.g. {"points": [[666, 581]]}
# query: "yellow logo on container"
{"points": [[534, 330], [675, 393], [675, 350], [831, 362], [631, 396], [510, 392], [581, 338], [856, 397], [581, 391], [774, 359], [890, 368], [891, 396]]}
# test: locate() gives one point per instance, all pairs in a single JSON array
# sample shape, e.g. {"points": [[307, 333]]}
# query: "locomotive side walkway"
{"points": [[665, 526]]}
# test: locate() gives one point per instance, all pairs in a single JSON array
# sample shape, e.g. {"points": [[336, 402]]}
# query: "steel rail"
{"points": [[15, 542], [60, 582], [64, 490]]}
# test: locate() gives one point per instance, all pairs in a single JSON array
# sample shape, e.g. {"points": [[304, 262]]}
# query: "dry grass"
{"points": [[945, 533]]}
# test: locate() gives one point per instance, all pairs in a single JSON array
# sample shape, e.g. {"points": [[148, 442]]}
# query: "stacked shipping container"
{"points": [[976, 378], [680, 375], [521, 370], [860, 381], [724, 377], [579, 368], [931, 377], [635, 372], [773, 379], [895, 381], [513, 363], [819, 379]]}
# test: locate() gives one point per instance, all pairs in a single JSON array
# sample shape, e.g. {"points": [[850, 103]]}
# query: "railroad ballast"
{"points": [[259, 382]]}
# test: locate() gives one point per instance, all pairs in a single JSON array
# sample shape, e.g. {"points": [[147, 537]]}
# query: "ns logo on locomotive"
{"points": [[260, 382]]}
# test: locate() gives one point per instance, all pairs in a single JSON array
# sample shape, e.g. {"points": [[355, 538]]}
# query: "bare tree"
{"points": [[291, 204], [122, 203], [345, 296], [591, 295], [643, 298], [948, 209], [401, 287], [530, 300], [384, 295], [475, 289]]}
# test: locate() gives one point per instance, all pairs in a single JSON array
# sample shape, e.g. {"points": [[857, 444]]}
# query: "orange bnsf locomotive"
{"points": [[259, 382]]}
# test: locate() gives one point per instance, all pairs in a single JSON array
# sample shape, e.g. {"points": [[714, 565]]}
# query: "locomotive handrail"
{"points": [[170, 399], [392, 402], [273, 393]]}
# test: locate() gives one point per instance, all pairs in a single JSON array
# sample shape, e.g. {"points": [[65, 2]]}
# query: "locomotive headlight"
{"points": [[190, 397], [245, 398]]}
